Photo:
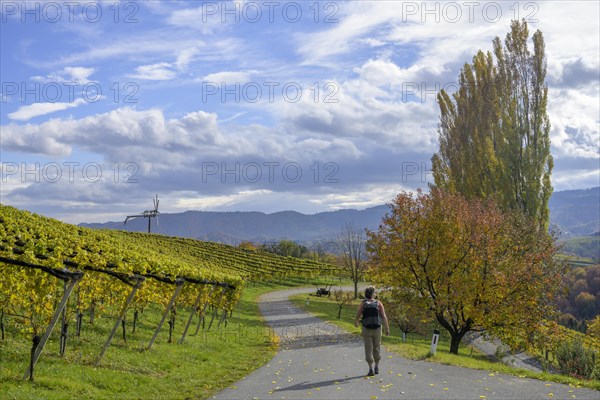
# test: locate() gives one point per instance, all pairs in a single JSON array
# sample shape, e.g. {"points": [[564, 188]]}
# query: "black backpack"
{"points": [[370, 315]]}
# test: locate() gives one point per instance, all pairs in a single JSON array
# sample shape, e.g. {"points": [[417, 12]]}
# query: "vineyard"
{"points": [[54, 271]]}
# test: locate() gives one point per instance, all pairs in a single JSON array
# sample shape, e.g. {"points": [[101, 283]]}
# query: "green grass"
{"points": [[417, 347], [197, 369]]}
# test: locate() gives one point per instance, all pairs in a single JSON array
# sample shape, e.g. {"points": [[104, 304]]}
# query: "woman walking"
{"points": [[371, 313]]}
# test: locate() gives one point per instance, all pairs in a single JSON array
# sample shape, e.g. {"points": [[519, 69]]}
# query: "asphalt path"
{"points": [[317, 360]]}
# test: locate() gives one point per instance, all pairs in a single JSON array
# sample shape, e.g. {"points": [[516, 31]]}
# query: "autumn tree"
{"points": [[341, 298], [473, 266], [494, 130], [353, 256], [401, 311]]}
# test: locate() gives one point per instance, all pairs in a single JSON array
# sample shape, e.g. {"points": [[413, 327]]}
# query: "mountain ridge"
{"points": [[573, 212]]}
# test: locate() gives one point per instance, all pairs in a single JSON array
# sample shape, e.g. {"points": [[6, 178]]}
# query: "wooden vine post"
{"points": [[194, 310], [72, 278], [179, 284], [136, 282]]}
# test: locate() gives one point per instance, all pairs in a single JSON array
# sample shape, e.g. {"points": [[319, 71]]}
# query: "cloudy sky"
{"points": [[266, 106]]}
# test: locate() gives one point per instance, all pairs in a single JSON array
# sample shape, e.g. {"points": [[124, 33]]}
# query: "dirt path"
{"points": [[318, 360]]}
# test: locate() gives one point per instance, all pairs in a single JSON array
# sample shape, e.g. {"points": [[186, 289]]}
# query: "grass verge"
{"points": [[197, 369], [417, 347]]}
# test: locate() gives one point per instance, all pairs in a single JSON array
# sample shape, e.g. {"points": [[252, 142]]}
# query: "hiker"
{"points": [[373, 314]]}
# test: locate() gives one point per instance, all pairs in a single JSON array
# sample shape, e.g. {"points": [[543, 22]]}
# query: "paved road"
{"points": [[320, 361]]}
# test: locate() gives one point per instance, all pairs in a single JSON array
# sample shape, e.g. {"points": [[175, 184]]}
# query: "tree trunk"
{"points": [[135, 319], [79, 322], [355, 289], [456, 339], [35, 341], [2, 324], [124, 333], [92, 312], [64, 334], [340, 311]]}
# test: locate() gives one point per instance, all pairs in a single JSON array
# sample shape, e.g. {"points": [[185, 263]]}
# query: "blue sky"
{"points": [[266, 106]]}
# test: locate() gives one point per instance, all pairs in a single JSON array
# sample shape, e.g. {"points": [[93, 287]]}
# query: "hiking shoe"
{"points": [[370, 372], [376, 370]]}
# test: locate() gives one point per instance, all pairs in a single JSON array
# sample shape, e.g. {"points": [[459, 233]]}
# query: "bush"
{"points": [[575, 360]]}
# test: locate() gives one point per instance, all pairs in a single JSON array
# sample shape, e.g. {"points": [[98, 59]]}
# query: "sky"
{"points": [[260, 105]]}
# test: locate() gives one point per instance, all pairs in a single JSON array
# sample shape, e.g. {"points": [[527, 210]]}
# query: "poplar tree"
{"points": [[494, 130]]}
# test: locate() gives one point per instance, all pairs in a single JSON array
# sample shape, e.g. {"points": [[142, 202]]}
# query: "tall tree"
{"points": [[494, 131], [472, 265], [353, 254]]}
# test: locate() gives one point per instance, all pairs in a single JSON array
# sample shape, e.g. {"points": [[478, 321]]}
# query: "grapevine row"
{"points": [[39, 256]]}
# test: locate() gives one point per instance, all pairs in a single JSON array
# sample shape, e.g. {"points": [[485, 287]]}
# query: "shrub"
{"points": [[575, 360]]}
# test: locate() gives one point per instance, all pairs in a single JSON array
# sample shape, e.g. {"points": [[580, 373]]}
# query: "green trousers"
{"points": [[372, 339]]}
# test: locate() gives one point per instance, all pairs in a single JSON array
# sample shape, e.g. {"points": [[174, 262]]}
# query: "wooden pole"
{"points": [[38, 351], [179, 283], [194, 310], [139, 280]]}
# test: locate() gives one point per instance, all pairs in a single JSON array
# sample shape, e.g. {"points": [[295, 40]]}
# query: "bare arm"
{"points": [[384, 318], [358, 314]]}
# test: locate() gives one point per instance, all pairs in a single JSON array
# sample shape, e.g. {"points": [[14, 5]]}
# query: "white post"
{"points": [[434, 341]]}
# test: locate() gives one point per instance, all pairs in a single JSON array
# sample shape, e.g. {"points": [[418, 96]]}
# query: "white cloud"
{"points": [[154, 72], [367, 196], [576, 179], [357, 19], [575, 118], [146, 136], [193, 202], [195, 18], [25, 113], [229, 77], [79, 75]]}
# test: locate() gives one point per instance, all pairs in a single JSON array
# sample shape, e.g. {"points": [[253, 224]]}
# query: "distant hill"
{"points": [[234, 227], [574, 212]]}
